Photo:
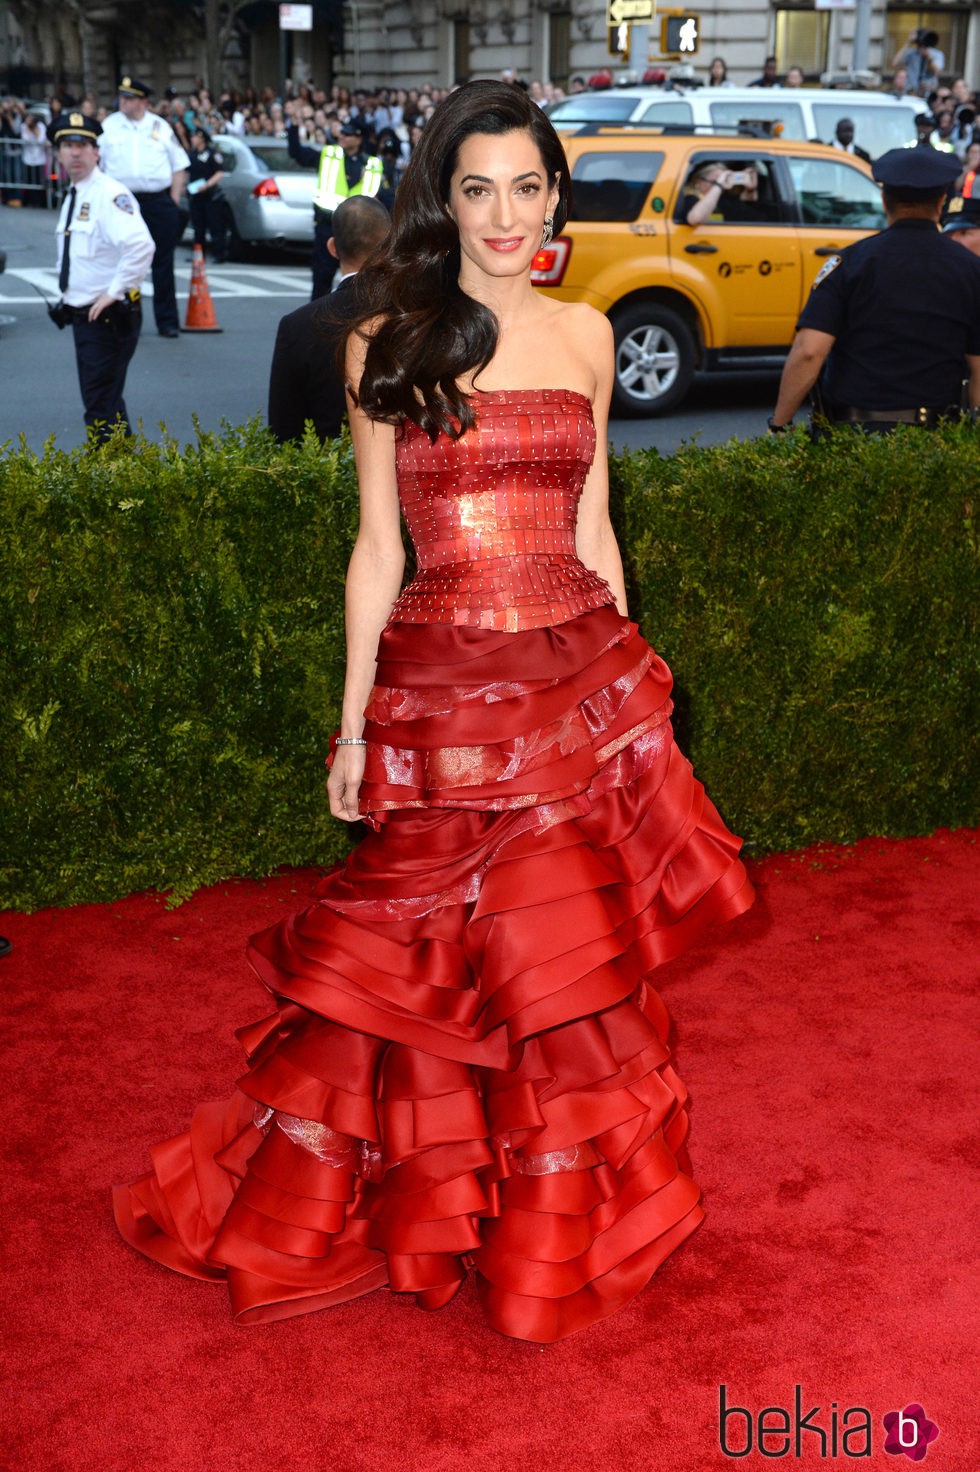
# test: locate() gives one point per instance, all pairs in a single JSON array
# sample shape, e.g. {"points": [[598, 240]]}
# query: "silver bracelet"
{"points": [[350, 741]]}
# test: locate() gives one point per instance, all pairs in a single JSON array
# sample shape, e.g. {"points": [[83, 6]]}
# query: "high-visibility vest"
{"points": [[967, 190], [331, 180]]}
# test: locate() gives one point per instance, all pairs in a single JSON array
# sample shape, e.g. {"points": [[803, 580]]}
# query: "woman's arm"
{"points": [[595, 540], [374, 577]]}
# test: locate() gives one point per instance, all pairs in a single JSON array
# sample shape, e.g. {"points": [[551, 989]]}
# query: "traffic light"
{"points": [[619, 41], [680, 35]]}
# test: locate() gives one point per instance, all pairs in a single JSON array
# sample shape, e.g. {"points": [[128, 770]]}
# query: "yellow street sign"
{"points": [[618, 11]]}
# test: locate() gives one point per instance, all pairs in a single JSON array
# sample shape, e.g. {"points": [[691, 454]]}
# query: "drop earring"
{"points": [[548, 232]]}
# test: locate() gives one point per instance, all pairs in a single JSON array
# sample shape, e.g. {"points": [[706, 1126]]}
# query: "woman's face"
{"points": [[499, 196], [972, 159], [717, 70], [702, 182]]}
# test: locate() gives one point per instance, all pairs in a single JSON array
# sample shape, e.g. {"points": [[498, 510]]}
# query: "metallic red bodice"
{"points": [[492, 515]]}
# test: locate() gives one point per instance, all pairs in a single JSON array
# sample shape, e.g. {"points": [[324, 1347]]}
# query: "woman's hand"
{"points": [[344, 782]]}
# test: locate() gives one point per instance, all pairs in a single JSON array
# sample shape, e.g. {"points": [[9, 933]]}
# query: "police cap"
{"points": [[916, 173], [132, 87], [71, 127], [962, 214], [351, 128]]}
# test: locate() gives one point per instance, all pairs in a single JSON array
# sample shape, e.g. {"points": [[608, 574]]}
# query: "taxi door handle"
{"points": [[701, 250], [826, 250]]}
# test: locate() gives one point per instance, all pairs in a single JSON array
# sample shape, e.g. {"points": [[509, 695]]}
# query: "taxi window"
{"points": [[612, 185], [836, 194], [740, 206], [790, 114], [666, 113], [876, 129]]}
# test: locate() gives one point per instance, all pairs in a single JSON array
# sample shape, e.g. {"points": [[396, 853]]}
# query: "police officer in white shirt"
{"points": [[104, 251], [141, 150]]}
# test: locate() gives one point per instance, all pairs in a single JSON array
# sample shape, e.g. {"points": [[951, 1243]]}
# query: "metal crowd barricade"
{"points": [[20, 181]]}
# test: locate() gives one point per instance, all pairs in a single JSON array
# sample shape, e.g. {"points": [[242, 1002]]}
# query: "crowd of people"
{"points": [[389, 120]]}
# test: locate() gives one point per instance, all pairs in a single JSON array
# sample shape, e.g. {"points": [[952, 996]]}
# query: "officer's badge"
{"points": [[126, 82], [76, 120], [155, 131], [828, 266], [124, 203], [85, 211], [955, 206]]}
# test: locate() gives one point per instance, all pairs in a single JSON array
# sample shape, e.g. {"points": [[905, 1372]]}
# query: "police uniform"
{"points": [[903, 308], [339, 175], [144, 155], [207, 206], [109, 250]]}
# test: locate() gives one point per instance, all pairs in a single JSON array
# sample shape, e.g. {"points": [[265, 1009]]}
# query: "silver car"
{"points": [[269, 198]]}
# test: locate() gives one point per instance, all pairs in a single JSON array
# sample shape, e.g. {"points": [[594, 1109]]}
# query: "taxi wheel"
{"points": [[654, 359]]}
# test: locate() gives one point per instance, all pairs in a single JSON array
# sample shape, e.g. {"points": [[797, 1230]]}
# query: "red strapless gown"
{"points": [[467, 1065]]}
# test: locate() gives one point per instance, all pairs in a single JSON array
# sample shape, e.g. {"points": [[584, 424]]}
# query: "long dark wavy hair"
{"points": [[426, 333]]}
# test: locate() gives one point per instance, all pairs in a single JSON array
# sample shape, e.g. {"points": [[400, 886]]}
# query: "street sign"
{"points": [[680, 35], [296, 17], [618, 11]]}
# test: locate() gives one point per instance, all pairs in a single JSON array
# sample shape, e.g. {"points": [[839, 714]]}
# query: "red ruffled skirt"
{"points": [[467, 1066]]}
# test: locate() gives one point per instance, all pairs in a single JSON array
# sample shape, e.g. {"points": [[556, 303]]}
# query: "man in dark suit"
{"points": [[304, 382], [843, 140]]}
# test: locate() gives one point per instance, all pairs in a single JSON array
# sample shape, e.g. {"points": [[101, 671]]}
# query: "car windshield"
{"points": [[593, 107], [768, 109], [876, 129]]}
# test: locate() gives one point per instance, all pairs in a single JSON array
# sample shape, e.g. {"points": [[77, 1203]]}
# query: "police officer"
{"points": [[961, 222], [207, 203], [343, 170], [893, 322], [141, 150], [104, 251]]}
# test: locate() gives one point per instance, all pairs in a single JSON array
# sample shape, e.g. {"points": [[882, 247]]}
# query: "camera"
{"points": [[738, 176]]}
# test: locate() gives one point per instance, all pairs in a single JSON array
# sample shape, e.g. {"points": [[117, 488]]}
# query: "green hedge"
{"points": [[172, 646]]}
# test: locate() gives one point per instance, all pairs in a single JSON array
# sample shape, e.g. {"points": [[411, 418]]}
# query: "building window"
{"points": [[801, 40], [559, 47], [461, 50], [949, 25]]}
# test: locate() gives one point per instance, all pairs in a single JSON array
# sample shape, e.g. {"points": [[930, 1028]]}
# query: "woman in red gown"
{"points": [[466, 1065]]}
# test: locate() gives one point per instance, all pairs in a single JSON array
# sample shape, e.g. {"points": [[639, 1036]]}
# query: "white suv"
{"points": [[811, 113]]}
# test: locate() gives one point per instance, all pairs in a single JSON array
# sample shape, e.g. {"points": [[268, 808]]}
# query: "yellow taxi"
{"points": [[720, 294]]}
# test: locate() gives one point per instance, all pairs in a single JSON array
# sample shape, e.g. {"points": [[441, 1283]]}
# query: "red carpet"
{"points": [[828, 1040]]}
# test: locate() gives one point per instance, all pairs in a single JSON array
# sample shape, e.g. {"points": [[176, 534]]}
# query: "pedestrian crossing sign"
{"points": [[680, 34]]}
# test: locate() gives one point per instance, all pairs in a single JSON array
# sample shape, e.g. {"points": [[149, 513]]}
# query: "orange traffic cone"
{"points": [[200, 308]]}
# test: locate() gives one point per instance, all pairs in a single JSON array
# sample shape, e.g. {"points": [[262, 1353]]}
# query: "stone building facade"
{"points": [[79, 45]]}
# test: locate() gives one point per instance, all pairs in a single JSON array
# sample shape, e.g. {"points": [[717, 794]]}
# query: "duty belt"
{"points": [[928, 418]]}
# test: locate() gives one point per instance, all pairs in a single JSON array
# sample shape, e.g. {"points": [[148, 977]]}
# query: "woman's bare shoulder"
{"points": [[583, 322]]}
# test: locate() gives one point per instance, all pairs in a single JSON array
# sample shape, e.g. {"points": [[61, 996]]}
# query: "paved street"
{"points": [[224, 376]]}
